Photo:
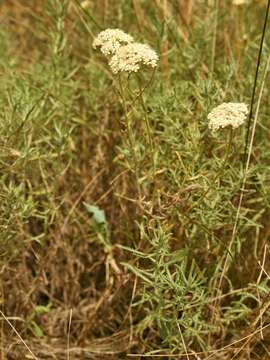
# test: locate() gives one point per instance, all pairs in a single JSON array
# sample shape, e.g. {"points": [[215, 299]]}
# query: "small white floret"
{"points": [[131, 57], [110, 40]]}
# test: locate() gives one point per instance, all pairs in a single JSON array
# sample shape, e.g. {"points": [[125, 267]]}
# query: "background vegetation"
{"points": [[95, 261]]}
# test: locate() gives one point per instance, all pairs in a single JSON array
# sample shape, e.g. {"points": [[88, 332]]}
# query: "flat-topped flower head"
{"points": [[227, 114], [110, 40], [131, 57]]}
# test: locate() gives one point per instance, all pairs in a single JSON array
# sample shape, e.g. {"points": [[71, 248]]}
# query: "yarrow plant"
{"points": [[124, 55], [227, 114]]}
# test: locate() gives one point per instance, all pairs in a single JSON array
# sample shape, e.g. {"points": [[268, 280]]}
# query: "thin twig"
{"points": [[225, 268], [214, 38], [68, 335], [87, 14], [256, 80], [19, 336]]}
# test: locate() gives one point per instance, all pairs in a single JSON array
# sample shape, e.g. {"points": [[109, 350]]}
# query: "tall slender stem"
{"points": [[148, 131], [229, 252], [256, 79], [248, 147], [219, 173], [130, 136], [146, 119], [214, 41], [141, 92]]}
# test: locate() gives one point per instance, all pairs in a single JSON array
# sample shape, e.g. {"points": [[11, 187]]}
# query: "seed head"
{"points": [[131, 57], [226, 114], [110, 40]]}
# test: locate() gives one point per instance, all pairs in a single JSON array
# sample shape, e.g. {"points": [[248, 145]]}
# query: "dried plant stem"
{"points": [[88, 15], [229, 252], [68, 335], [2, 301], [256, 78], [19, 336], [214, 41]]}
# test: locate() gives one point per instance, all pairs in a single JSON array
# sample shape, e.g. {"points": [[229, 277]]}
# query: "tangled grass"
{"points": [[121, 234]]}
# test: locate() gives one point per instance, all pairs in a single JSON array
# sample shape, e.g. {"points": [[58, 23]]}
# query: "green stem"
{"points": [[142, 90], [148, 131], [130, 136], [219, 173], [146, 119]]}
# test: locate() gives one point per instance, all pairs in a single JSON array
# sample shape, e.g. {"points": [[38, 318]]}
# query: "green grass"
{"points": [[111, 245]]}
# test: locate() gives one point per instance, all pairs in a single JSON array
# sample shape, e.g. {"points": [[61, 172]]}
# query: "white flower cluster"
{"points": [[110, 40], [124, 54], [233, 114], [130, 57]]}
